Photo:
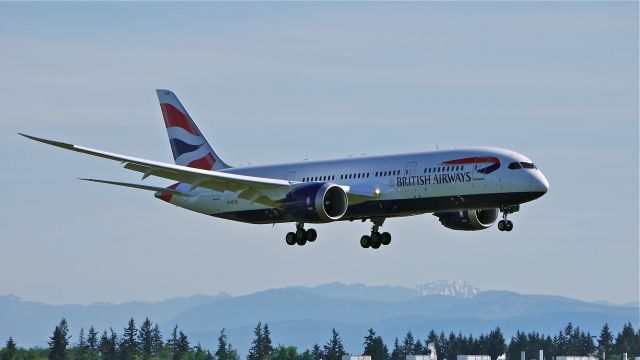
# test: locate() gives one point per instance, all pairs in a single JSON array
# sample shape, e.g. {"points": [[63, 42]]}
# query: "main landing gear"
{"points": [[504, 224], [301, 236], [375, 239]]}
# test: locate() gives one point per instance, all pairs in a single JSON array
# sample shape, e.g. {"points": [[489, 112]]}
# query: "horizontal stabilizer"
{"points": [[141, 187]]}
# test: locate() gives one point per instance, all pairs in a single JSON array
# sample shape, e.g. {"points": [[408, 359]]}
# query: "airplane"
{"points": [[465, 188]]}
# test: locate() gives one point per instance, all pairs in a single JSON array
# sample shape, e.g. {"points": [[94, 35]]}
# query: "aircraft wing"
{"points": [[265, 191], [257, 189]]}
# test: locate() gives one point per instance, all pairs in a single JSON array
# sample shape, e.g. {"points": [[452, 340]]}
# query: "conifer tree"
{"points": [[316, 352], [156, 340], [333, 349], [368, 343], [625, 340], [396, 353], [408, 344], [82, 350], [10, 349], [418, 348], [266, 348], [108, 346], [145, 339], [224, 350], [59, 341], [495, 344], [374, 346], [182, 347], [255, 352], [129, 344], [172, 343], [92, 342], [221, 351]]}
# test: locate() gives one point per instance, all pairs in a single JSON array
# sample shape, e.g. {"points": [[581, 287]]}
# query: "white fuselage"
{"points": [[403, 184]]}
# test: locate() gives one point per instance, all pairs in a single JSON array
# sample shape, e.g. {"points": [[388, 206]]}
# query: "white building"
{"points": [[417, 357], [353, 357], [474, 357]]}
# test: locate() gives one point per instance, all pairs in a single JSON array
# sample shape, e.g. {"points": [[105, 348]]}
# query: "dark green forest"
{"points": [[147, 342]]}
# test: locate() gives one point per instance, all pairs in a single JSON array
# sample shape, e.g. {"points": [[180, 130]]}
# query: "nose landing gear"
{"points": [[301, 236], [376, 239], [504, 224]]}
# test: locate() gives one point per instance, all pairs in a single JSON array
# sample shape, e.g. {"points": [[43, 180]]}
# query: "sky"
{"points": [[279, 82]]}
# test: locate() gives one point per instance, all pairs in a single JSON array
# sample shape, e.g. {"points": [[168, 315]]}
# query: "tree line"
{"points": [[148, 343]]}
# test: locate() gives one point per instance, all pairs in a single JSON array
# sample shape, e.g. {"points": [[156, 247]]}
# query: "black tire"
{"points": [[301, 242], [376, 244], [502, 225], [365, 241], [509, 225], [301, 234], [375, 237], [311, 235], [290, 238], [385, 238]]}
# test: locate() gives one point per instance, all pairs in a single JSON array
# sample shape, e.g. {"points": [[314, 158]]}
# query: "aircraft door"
{"points": [[216, 202], [410, 169]]}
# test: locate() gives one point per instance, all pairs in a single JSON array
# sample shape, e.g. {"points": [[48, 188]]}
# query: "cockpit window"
{"points": [[521, 165]]}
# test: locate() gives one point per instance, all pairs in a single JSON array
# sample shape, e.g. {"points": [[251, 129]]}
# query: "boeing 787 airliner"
{"points": [[465, 188]]}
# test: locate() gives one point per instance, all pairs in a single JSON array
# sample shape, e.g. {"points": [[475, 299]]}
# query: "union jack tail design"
{"points": [[188, 145]]}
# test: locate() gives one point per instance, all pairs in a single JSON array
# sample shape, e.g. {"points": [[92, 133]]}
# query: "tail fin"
{"points": [[189, 146]]}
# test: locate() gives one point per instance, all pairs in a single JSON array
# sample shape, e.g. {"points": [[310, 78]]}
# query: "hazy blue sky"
{"points": [[277, 82]]}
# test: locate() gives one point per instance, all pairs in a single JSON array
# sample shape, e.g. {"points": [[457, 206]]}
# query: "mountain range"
{"points": [[303, 316]]}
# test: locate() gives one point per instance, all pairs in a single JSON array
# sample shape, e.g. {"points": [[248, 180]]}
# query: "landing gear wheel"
{"points": [[385, 238], [509, 225], [311, 235], [300, 234], [290, 238], [375, 237], [365, 241], [502, 225], [375, 244], [301, 242]]}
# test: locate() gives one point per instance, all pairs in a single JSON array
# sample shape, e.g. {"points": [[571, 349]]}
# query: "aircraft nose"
{"points": [[538, 183]]}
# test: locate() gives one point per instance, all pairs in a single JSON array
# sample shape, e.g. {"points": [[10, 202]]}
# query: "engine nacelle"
{"points": [[316, 202], [469, 220]]}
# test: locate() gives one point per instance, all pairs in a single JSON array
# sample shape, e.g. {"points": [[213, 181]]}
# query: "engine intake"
{"points": [[316, 202], [469, 220]]}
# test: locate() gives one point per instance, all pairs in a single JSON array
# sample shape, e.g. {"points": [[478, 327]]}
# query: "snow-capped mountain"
{"points": [[457, 288]]}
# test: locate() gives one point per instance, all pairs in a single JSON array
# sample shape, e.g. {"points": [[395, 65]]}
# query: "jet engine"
{"points": [[316, 202], [469, 220]]}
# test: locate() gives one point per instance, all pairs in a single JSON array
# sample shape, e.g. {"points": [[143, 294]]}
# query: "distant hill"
{"points": [[302, 316], [31, 323]]}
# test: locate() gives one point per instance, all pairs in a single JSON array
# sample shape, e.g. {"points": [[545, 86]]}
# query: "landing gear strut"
{"points": [[301, 236], [375, 239], [504, 224]]}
